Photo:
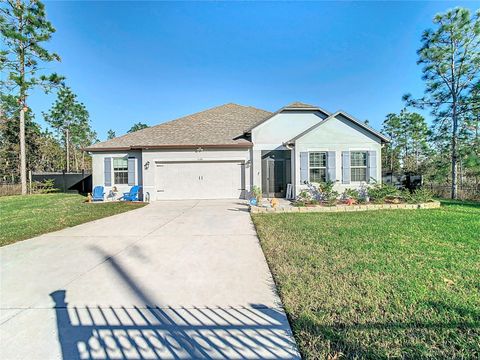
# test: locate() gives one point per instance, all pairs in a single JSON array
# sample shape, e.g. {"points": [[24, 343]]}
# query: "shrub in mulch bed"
{"points": [[324, 195]]}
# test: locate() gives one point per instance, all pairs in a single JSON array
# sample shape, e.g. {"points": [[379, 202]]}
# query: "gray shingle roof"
{"points": [[220, 125], [300, 105]]}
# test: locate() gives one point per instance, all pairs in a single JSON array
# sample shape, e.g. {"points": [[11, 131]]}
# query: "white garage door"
{"points": [[199, 180]]}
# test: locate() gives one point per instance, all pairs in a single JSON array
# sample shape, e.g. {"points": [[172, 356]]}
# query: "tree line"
{"points": [[24, 145], [23, 58], [446, 151]]}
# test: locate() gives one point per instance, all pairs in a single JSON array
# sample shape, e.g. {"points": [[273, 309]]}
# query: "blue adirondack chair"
{"points": [[98, 193], [133, 194]]}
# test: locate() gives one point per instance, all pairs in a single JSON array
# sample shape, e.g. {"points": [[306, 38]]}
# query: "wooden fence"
{"points": [[47, 182], [10, 189], [470, 192]]}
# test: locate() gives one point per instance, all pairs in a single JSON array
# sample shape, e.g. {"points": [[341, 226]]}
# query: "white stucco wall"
{"points": [[277, 130], [152, 156], [146, 176], [337, 135], [98, 169]]}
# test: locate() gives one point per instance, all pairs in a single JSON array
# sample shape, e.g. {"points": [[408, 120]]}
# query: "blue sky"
{"points": [[156, 61]]}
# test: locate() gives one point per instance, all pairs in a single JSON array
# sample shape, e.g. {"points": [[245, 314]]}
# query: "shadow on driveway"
{"points": [[163, 332]]}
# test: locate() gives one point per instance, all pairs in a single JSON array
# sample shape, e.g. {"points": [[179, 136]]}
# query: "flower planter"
{"points": [[343, 207]]}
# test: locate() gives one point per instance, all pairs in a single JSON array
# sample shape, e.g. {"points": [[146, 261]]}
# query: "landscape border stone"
{"points": [[342, 208]]}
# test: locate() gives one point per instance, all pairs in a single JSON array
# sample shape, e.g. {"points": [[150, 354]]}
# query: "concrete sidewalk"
{"points": [[172, 280]]}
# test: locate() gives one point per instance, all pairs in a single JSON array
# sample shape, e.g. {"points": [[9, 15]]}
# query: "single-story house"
{"points": [[224, 151]]}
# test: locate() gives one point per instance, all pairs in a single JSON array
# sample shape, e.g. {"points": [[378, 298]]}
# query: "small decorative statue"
{"points": [[112, 194], [274, 203], [89, 197], [350, 201]]}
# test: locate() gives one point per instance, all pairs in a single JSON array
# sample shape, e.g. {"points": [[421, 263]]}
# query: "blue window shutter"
{"points": [[303, 167], [131, 171], [345, 167], [331, 166], [372, 166], [107, 171]]}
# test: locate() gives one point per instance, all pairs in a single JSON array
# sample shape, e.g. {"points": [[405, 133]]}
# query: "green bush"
{"points": [[351, 194], [49, 186], [256, 193], [303, 198], [45, 187], [325, 187], [378, 193], [326, 193], [331, 198], [418, 196]]}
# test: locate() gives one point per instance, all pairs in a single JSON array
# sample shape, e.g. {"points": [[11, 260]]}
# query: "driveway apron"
{"points": [[172, 280]]}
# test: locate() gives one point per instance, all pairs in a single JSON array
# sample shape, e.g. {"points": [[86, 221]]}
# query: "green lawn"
{"points": [[381, 284], [22, 217]]}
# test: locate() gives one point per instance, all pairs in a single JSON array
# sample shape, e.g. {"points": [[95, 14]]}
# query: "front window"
{"points": [[120, 171], [358, 165], [318, 167]]}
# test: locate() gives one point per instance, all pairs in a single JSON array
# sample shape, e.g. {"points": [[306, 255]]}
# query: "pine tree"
{"points": [[50, 153], [408, 145], [450, 55], [111, 134], [25, 28], [9, 137], [470, 139], [137, 126], [415, 135], [71, 120], [392, 128]]}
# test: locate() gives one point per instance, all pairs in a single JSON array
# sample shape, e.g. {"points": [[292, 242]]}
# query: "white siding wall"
{"points": [[152, 156], [337, 135], [98, 169], [273, 133]]}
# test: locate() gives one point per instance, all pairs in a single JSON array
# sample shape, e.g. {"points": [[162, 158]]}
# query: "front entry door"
{"points": [[275, 178], [275, 173]]}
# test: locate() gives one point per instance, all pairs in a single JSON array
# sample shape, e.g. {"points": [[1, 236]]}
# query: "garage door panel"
{"points": [[199, 180]]}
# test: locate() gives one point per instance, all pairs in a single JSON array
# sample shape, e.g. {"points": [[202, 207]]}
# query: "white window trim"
{"points": [[359, 167], [114, 183], [318, 167]]}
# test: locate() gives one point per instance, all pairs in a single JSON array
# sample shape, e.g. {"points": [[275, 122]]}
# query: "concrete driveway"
{"points": [[172, 280]]}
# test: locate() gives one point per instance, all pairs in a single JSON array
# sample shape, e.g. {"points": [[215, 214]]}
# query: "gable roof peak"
{"points": [[300, 105], [341, 113]]}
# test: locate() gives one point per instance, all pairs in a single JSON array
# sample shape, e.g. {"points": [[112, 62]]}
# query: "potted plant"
{"points": [[256, 196]]}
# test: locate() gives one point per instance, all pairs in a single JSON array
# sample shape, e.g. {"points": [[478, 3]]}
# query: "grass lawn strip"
{"points": [[23, 217], [379, 284]]}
